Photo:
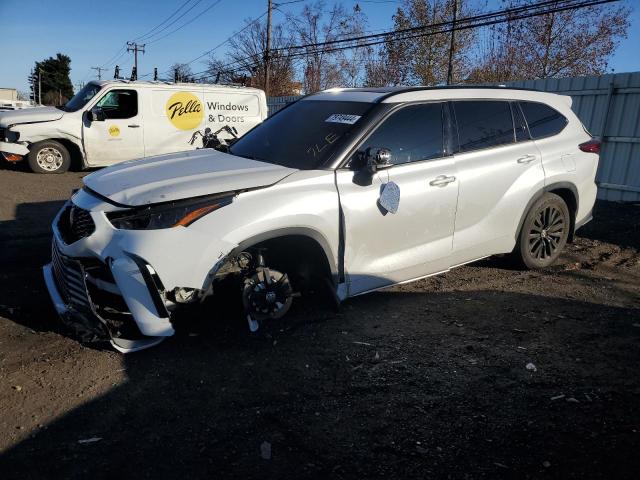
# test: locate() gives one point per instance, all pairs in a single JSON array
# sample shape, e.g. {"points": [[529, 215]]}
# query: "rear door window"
{"points": [[483, 124], [412, 134], [543, 120]]}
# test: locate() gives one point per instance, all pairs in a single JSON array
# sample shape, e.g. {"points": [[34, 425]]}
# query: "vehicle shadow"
{"points": [[25, 236], [397, 384], [615, 223]]}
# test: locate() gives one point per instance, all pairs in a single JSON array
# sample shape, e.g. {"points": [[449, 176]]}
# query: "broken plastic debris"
{"points": [[253, 324], [90, 440], [362, 343], [531, 367], [265, 451], [558, 397]]}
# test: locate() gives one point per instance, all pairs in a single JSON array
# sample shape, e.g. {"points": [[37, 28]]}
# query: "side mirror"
{"points": [[97, 115], [378, 159]]}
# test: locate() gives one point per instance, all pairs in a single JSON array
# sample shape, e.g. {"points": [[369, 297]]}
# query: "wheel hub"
{"points": [[267, 294], [49, 159]]}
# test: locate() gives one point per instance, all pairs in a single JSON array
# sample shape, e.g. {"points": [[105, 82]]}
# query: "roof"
{"points": [[163, 83], [403, 94]]}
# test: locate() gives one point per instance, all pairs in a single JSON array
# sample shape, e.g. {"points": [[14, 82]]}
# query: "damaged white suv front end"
{"points": [[124, 256]]}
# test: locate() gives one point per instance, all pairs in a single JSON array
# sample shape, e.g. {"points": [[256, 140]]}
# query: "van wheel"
{"points": [[544, 232], [49, 156]]}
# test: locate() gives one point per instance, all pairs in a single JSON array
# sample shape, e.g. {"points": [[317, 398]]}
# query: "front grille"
{"points": [[69, 277], [75, 223]]}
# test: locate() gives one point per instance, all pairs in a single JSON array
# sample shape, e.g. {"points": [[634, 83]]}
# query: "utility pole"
{"points": [[40, 86], [267, 52], [452, 45], [99, 70], [135, 48]]}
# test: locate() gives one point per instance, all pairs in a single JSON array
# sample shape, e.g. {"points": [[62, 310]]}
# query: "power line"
{"points": [[510, 13], [173, 22], [99, 70], [115, 58], [186, 23], [163, 22], [476, 21]]}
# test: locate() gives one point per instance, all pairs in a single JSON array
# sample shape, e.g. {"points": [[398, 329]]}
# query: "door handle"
{"points": [[133, 126], [442, 180], [527, 159]]}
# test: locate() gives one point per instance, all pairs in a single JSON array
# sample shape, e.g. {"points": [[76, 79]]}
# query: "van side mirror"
{"points": [[97, 115], [378, 159]]}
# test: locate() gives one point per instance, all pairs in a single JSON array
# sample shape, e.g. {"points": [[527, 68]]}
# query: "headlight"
{"points": [[172, 214]]}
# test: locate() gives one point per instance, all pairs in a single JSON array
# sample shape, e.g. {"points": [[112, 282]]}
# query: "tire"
{"points": [[49, 156], [544, 232]]}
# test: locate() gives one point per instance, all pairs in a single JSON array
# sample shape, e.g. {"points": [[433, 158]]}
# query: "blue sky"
{"points": [[93, 32]]}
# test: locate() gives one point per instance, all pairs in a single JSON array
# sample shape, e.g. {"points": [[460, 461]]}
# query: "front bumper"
{"points": [[133, 322], [88, 324], [13, 148], [136, 270]]}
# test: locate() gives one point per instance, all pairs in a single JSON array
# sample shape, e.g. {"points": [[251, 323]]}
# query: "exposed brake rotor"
{"points": [[266, 294]]}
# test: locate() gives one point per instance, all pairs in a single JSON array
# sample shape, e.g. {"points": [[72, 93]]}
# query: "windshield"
{"points": [[304, 135], [81, 98]]}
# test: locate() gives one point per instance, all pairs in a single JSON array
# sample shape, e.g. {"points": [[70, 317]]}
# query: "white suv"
{"points": [[355, 188]]}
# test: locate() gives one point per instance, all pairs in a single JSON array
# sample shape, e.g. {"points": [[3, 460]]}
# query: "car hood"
{"points": [[182, 175], [30, 115]]}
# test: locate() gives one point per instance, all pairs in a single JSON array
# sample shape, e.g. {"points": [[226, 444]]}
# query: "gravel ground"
{"points": [[425, 380]]}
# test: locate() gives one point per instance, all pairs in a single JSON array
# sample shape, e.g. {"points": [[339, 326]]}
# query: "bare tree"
{"points": [[219, 71], [561, 44], [246, 59], [351, 61], [182, 72], [391, 64], [423, 59], [322, 67]]}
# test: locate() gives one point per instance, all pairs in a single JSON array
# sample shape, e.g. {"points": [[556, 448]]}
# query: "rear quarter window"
{"points": [[543, 120]]}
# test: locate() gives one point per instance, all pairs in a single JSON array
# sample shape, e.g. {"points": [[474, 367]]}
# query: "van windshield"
{"points": [[81, 98], [302, 136]]}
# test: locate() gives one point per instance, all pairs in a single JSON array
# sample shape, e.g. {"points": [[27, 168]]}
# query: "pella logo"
{"points": [[184, 110]]}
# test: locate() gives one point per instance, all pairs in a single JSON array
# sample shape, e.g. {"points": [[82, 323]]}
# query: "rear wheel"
{"points": [[544, 232], [49, 157]]}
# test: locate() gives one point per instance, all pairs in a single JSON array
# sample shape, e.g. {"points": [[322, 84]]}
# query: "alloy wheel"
{"points": [[546, 232]]}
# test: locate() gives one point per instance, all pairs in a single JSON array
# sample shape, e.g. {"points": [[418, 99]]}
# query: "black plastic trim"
{"points": [[153, 286]]}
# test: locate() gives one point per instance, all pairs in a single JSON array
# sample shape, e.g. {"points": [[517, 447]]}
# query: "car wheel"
{"points": [[544, 232], [49, 157]]}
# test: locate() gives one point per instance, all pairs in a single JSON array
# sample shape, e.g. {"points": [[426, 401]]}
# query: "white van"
{"points": [[113, 121]]}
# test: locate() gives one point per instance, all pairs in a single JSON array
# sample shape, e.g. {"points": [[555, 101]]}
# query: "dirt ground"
{"points": [[426, 380]]}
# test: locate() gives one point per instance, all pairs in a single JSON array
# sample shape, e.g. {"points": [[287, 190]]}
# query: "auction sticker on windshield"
{"points": [[343, 118]]}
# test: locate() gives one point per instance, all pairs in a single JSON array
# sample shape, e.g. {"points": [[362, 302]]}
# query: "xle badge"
{"points": [[390, 197]]}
